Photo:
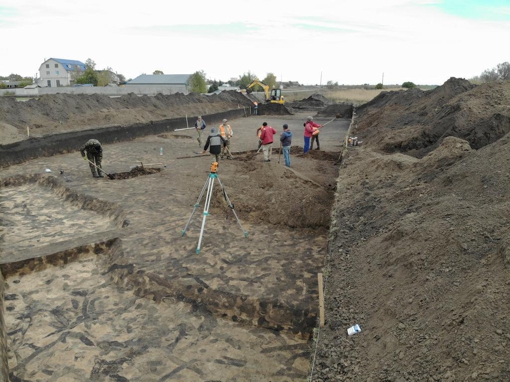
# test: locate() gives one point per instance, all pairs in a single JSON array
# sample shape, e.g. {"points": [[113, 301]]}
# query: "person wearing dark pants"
{"points": [[315, 137], [214, 142], [310, 127], [286, 140], [92, 151]]}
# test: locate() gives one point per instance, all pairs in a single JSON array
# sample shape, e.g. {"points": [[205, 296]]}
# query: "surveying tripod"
{"points": [[208, 189]]}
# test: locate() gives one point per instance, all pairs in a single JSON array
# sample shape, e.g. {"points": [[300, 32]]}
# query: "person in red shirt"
{"points": [[310, 127], [259, 133], [267, 141]]}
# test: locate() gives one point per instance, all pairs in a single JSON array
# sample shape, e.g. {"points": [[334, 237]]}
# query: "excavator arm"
{"points": [[275, 96], [262, 85]]}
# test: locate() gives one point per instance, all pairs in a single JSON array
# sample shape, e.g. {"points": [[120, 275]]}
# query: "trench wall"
{"points": [[22, 151], [4, 366], [112, 91]]}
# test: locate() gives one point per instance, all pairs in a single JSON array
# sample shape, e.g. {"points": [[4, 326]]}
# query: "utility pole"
{"points": [[382, 82], [320, 83]]}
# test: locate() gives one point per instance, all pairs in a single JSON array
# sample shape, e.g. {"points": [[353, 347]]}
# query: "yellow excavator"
{"points": [[275, 96]]}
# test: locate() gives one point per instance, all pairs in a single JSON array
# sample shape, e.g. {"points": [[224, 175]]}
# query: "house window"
{"points": [[56, 65], [48, 73], [57, 72], [49, 83], [58, 83], [47, 66]]}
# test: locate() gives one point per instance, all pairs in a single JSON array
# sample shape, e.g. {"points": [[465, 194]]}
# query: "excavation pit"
{"points": [[67, 318], [234, 291]]}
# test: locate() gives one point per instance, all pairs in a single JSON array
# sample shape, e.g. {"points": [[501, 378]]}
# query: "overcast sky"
{"points": [[310, 41]]}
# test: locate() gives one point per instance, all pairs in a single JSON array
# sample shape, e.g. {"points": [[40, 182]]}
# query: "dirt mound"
{"points": [[67, 112], [416, 122], [315, 102], [273, 109], [133, 173], [339, 110], [419, 247]]}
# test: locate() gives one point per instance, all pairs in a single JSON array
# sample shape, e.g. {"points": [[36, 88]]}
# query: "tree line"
{"points": [[499, 73], [197, 82]]}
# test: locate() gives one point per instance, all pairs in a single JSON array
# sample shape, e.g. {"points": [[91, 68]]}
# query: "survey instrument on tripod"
{"points": [[208, 190]]}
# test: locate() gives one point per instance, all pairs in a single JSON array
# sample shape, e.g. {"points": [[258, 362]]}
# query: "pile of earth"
{"points": [[338, 110], [50, 114], [322, 106], [134, 172], [416, 122], [316, 102], [273, 109], [419, 251]]}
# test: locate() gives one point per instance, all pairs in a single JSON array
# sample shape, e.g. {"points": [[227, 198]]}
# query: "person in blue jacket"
{"points": [[286, 140]]}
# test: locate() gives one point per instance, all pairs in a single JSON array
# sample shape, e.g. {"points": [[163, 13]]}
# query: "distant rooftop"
{"points": [[160, 79], [70, 64]]}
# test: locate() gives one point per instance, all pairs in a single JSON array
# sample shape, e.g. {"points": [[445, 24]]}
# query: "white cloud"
{"points": [[349, 42]]}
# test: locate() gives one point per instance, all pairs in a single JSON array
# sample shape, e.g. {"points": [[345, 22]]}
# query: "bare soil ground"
{"points": [[265, 280], [418, 251]]}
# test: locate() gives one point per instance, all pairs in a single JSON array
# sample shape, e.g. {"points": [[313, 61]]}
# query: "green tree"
{"points": [[15, 77], [89, 75], [214, 86], [246, 79], [331, 85], [408, 85], [196, 82], [158, 72], [500, 72], [504, 71], [379, 86], [25, 82], [103, 77], [489, 75], [270, 80]]}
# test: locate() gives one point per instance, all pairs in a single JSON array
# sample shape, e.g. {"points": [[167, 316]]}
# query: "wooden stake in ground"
{"points": [[321, 300]]}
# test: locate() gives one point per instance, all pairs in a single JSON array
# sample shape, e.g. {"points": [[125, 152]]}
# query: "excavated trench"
{"points": [[87, 288], [77, 307], [65, 291]]}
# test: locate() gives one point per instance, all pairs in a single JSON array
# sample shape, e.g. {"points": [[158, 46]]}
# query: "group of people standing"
{"points": [[218, 142], [266, 135]]}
